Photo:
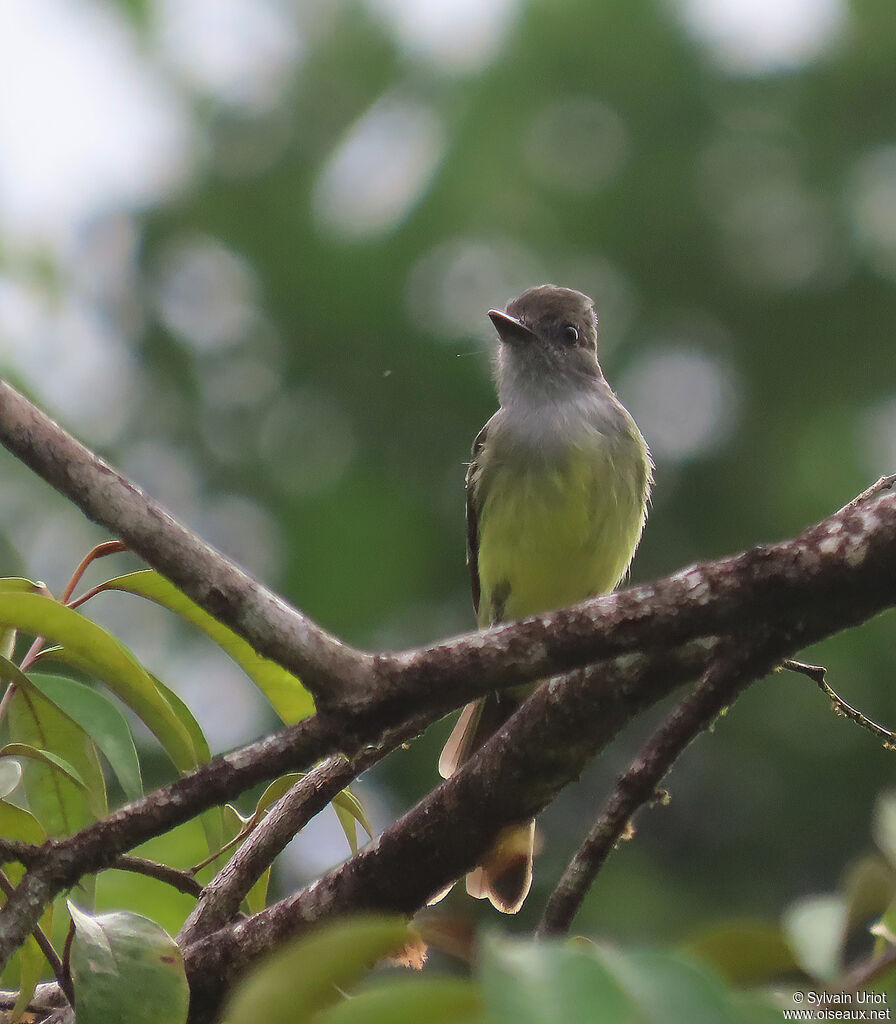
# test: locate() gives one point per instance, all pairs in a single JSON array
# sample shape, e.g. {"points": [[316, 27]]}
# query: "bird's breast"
{"points": [[557, 527]]}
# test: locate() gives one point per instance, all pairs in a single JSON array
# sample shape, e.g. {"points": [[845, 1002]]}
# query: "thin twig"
{"points": [[817, 673], [46, 947], [880, 486], [183, 881], [720, 685]]}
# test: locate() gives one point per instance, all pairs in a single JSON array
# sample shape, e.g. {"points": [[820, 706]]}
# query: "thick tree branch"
{"points": [[719, 687]]}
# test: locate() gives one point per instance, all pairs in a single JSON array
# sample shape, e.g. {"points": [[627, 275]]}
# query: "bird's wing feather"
{"points": [[473, 516]]}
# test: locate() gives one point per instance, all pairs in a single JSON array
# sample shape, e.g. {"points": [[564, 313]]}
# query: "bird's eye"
{"points": [[570, 334]]}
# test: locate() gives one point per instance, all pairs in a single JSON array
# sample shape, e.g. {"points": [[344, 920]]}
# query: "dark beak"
{"points": [[509, 328]]}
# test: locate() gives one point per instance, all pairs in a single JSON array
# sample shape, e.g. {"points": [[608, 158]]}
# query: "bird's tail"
{"points": [[505, 873]]}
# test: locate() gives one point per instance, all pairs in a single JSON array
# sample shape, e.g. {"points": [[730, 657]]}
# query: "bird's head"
{"points": [[548, 343]]}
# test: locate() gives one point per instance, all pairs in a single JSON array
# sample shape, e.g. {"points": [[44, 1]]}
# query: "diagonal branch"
{"points": [[221, 898], [721, 684], [327, 667]]}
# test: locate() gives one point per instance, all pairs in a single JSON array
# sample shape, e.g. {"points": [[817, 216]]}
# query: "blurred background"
{"points": [[246, 250]]}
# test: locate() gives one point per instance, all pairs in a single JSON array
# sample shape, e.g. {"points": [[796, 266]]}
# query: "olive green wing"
{"points": [[471, 482]]}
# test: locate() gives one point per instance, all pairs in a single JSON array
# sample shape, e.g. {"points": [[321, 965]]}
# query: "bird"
{"points": [[557, 492]]}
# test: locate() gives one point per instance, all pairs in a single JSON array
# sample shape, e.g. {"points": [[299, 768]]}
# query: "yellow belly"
{"points": [[553, 535]]}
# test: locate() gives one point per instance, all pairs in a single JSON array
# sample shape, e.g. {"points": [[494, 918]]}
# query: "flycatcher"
{"points": [[557, 494]]}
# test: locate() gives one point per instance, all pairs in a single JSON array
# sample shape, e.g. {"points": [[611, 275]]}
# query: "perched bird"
{"points": [[557, 494]]}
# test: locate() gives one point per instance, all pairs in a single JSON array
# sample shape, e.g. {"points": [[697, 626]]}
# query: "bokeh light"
{"points": [[459, 37], [121, 135], [764, 35], [380, 170]]}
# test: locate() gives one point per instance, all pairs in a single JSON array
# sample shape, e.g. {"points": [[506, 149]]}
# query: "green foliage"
{"points": [[125, 967], [103, 723], [515, 982], [58, 727], [820, 936], [287, 696], [304, 976], [436, 1001], [91, 649]]}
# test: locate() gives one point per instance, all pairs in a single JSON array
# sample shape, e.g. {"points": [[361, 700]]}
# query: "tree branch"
{"points": [[817, 674], [180, 880], [327, 667], [46, 947], [46, 998], [221, 898], [719, 687]]}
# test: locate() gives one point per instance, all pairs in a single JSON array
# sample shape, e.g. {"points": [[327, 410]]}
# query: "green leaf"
{"points": [[15, 585], [19, 585], [552, 983], [7, 642], [753, 1008], [32, 965], [212, 820], [287, 696], [62, 803], [883, 824], [103, 723], [302, 978], [45, 757], [409, 1001], [10, 776], [346, 805], [95, 798], [93, 650], [125, 967], [744, 952], [349, 810], [671, 987], [257, 896], [188, 721], [272, 793], [348, 825], [17, 823], [869, 886]]}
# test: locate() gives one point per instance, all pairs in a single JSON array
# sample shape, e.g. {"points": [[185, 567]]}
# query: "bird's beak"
{"points": [[509, 328]]}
